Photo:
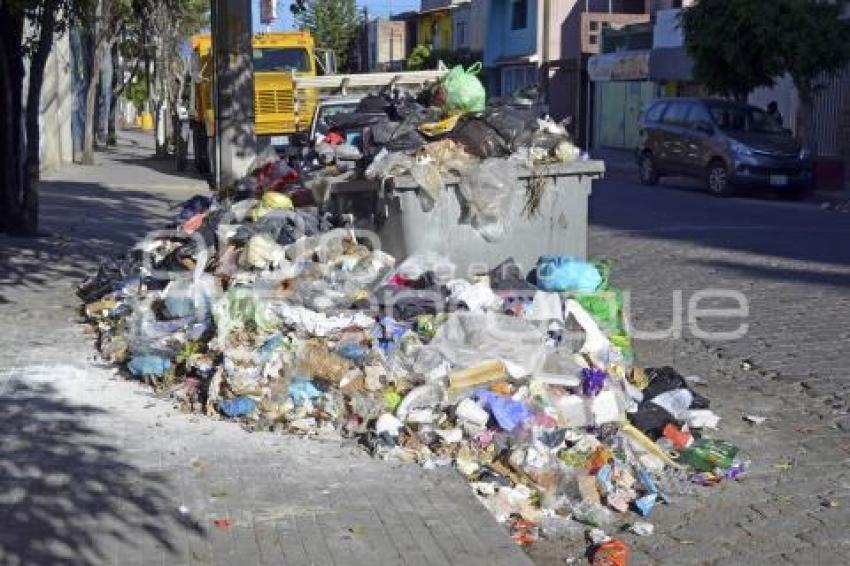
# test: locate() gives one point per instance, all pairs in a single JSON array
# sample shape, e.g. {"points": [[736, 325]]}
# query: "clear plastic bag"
{"points": [[489, 191]]}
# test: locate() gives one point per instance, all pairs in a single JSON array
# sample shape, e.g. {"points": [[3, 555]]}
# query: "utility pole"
{"points": [[236, 141]]}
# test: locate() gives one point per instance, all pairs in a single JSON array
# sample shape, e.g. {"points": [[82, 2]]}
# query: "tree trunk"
{"points": [[12, 142], [91, 94], [36, 80], [111, 138], [804, 116], [91, 100]]}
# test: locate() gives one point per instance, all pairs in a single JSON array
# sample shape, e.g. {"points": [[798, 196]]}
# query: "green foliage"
{"points": [[333, 23], [813, 41], [423, 57], [418, 58], [740, 45], [733, 44], [137, 93]]}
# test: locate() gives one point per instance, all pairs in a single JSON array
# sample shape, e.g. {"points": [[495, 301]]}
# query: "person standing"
{"points": [[773, 112]]}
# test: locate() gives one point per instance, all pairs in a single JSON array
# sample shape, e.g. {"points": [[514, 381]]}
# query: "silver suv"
{"points": [[727, 144]]}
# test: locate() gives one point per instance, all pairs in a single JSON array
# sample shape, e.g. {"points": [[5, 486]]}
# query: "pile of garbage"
{"points": [[258, 305]]}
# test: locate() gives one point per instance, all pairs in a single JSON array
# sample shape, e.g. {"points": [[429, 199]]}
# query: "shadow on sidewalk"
{"points": [[136, 148], [60, 477], [81, 223]]}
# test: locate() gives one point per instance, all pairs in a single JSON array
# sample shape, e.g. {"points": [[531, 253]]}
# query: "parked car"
{"points": [[325, 108], [728, 144], [331, 107]]}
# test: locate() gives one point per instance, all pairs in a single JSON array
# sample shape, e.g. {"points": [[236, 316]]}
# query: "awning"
{"points": [[623, 66], [670, 64]]}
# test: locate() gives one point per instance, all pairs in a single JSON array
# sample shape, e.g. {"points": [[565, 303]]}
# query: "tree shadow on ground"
{"points": [[60, 477], [762, 229], [130, 151], [81, 223]]}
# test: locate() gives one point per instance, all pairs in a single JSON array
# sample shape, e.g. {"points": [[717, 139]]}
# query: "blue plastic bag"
{"points": [[352, 351], [267, 350], [560, 273], [303, 390], [507, 412], [237, 407], [147, 364]]}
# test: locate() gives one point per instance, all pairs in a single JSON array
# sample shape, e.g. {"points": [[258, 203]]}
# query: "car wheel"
{"points": [[648, 172], [717, 179]]}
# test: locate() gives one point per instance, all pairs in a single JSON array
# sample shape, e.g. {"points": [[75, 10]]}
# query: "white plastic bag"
{"points": [[466, 339]]}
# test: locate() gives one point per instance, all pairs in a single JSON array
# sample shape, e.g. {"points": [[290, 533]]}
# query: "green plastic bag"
{"points": [[464, 92]]}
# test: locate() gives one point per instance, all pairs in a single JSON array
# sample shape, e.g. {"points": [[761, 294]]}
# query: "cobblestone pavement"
{"points": [[95, 470], [792, 263]]}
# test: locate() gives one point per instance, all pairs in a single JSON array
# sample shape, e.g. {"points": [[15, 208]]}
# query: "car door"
{"points": [[671, 154], [696, 136], [650, 129]]}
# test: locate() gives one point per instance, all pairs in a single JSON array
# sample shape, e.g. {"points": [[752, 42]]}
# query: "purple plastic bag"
{"points": [[507, 412]]}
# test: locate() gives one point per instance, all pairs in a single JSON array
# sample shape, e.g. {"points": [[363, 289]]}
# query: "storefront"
{"points": [[622, 90]]}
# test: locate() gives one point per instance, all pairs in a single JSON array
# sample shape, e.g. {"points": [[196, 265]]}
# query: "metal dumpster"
{"points": [[559, 227]]}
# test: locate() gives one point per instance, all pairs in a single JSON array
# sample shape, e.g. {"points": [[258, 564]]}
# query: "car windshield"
{"points": [[744, 119], [326, 112], [281, 59]]}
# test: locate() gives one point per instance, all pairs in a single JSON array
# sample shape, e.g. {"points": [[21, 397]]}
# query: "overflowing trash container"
{"points": [[471, 333], [557, 226]]}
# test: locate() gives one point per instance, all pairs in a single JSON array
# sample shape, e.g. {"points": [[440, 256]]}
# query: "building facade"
{"points": [[435, 25], [549, 42], [387, 45]]}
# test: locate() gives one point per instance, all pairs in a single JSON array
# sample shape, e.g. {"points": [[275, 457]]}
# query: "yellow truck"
{"points": [[279, 114]]}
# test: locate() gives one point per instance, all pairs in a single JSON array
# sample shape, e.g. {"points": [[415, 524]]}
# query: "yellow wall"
{"points": [[441, 21]]}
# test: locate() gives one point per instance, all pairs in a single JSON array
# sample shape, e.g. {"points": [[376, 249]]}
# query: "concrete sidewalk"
{"points": [[97, 470]]}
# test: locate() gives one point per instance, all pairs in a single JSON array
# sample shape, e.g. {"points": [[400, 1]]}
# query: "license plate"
{"points": [[280, 140], [778, 180]]}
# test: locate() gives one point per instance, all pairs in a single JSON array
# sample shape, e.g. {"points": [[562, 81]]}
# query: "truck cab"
{"points": [[278, 58]]}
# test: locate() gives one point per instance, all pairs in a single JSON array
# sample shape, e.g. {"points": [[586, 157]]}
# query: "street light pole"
{"points": [[236, 141]]}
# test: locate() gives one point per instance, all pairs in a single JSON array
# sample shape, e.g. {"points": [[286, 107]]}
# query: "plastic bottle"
{"points": [[705, 455]]}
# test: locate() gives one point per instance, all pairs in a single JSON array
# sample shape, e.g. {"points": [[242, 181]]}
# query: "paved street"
{"points": [[96, 470], [792, 262]]}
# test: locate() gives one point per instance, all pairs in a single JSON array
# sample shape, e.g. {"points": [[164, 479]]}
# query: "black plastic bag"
{"points": [[667, 379], [354, 120], [480, 139], [651, 419]]}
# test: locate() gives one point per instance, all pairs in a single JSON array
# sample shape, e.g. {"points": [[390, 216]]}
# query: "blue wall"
{"points": [[504, 42]]}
